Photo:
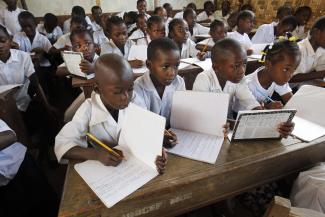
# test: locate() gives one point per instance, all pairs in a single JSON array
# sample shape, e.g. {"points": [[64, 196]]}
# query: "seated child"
{"points": [[194, 28], [141, 31], [267, 33], [50, 28], [232, 21], [96, 13], [101, 115], [130, 19], [179, 15], [312, 54], [282, 12], [303, 15], [142, 8], [169, 9], [178, 32], [156, 87], [224, 13], [76, 11], [9, 16], [281, 60], [155, 29], [161, 12], [206, 16], [245, 24], [227, 76]]}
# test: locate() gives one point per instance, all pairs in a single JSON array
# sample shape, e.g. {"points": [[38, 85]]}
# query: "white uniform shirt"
{"points": [[242, 39], [10, 158], [93, 117], [110, 47], [52, 36], [9, 19], [96, 26], [136, 34], [240, 97], [67, 24], [179, 15], [264, 34], [99, 37], [63, 41], [203, 16], [218, 15], [149, 99], [259, 92], [299, 32], [198, 29], [188, 49], [17, 70]]}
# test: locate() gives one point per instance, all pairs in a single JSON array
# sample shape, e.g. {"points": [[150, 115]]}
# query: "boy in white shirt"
{"points": [[50, 28], [194, 28], [169, 9], [245, 24], [155, 29], [77, 11], [96, 13], [267, 33], [141, 31], [282, 12], [9, 16], [303, 15], [206, 16], [142, 8], [179, 15], [224, 13]]}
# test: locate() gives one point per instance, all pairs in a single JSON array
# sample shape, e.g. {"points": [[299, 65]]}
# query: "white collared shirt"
{"points": [[110, 47], [188, 49], [96, 26], [144, 41], [198, 29], [259, 92], [52, 36], [244, 40], [179, 15], [9, 19], [204, 16], [240, 97], [40, 41], [67, 24], [63, 41], [99, 37], [136, 34], [218, 15], [299, 32], [264, 34], [149, 99], [17, 70], [10, 158], [93, 117]]}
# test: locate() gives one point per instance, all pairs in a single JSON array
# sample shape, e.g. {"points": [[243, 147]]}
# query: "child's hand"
{"points": [[107, 158], [226, 128], [285, 129], [161, 162], [249, 52], [201, 56], [136, 63], [14, 45], [274, 105], [170, 139], [37, 55], [86, 66]]}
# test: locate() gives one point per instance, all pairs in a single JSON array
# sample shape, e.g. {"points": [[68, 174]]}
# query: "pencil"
{"points": [[92, 137], [206, 46], [168, 133]]}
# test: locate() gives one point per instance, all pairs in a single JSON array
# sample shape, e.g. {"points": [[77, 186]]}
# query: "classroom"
{"points": [[155, 108]]}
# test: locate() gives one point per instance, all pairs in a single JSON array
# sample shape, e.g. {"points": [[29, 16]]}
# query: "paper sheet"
{"points": [[205, 65], [306, 130], [258, 48], [138, 52], [4, 88], [72, 61], [141, 70], [197, 146]]}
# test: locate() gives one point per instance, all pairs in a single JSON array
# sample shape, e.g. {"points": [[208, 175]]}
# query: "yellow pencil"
{"points": [[103, 145], [168, 133], [206, 46]]}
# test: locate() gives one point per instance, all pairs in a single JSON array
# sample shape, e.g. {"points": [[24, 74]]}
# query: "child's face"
{"points": [[281, 72], [49, 26], [191, 19], [180, 33], [83, 43], [284, 13], [96, 15], [225, 7], [142, 7], [163, 14], [142, 24], [169, 11], [218, 33], [28, 26], [209, 9], [11, 3], [233, 67], [282, 29], [303, 17], [5, 45], [157, 30], [319, 38], [119, 34], [164, 66], [246, 25], [232, 20]]}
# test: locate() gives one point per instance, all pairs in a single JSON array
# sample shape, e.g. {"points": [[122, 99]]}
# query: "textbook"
{"points": [[197, 119], [260, 124], [72, 61], [141, 140], [138, 52], [205, 64], [310, 120]]}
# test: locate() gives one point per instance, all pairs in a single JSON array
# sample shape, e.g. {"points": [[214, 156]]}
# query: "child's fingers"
{"points": [[119, 152]]}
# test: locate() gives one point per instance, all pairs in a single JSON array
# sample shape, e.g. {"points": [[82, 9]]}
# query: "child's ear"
{"points": [[96, 89]]}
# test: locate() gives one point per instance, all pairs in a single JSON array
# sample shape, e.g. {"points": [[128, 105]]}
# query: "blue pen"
{"points": [[266, 96]]}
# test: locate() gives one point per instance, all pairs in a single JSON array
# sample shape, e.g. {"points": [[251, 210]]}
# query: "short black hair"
{"points": [[5, 31], [138, 1], [132, 16], [173, 23], [160, 44], [187, 12], [166, 5], [191, 5], [282, 47], [26, 15], [81, 32], [96, 7], [154, 20], [113, 20], [141, 16], [302, 9], [319, 24], [207, 4], [283, 9], [79, 20], [79, 11], [290, 21], [242, 15], [223, 47], [51, 18], [157, 9], [216, 23]]}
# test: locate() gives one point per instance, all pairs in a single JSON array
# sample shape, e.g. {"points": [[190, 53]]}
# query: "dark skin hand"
{"points": [[7, 138], [170, 139], [161, 162], [86, 66]]}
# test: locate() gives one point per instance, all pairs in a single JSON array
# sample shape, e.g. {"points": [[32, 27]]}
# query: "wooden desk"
{"points": [[189, 184]]}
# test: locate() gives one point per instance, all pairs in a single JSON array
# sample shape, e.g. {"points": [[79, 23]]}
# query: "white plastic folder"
{"points": [[72, 61], [309, 120], [141, 141], [197, 118], [260, 124]]}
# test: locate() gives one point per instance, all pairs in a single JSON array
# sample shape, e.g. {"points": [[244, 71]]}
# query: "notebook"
{"points": [[112, 184], [72, 61], [138, 52], [310, 120], [260, 124], [205, 64], [197, 118]]}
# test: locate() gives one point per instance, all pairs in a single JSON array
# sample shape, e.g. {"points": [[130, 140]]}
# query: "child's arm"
{"points": [[7, 138], [170, 139], [301, 77], [203, 47], [201, 55], [286, 97], [161, 162], [285, 129], [86, 66]]}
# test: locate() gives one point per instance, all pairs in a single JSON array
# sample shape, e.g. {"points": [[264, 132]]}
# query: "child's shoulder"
{"points": [[19, 54]]}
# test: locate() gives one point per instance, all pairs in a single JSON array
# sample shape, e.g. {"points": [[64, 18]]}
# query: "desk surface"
{"points": [[189, 184]]}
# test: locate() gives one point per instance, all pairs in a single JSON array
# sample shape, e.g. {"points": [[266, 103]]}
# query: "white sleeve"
{"points": [[139, 96], [16, 39], [60, 43], [258, 38], [46, 44], [193, 51], [66, 27], [246, 100], [203, 30], [284, 89], [28, 66], [181, 86], [201, 83], [202, 16]]}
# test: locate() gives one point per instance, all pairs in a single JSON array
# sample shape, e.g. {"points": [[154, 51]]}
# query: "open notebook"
{"points": [[197, 119], [141, 141], [72, 61], [260, 124], [205, 64], [309, 120], [138, 52]]}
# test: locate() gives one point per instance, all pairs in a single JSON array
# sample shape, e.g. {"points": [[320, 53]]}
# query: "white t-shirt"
{"points": [[188, 49], [52, 36], [242, 39], [9, 19], [264, 34]]}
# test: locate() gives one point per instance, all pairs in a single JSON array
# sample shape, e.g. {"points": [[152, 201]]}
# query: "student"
{"points": [[179, 15], [267, 33], [245, 24], [130, 19], [118, 40], [156, 87], [281, 60], [206, 16], [155, 29], [232, 21], [161, 12], [141, 31], [101, 115], [31, 41], [21, 181], [303, 15], [9, 16], [169, 9], [50, 28], [178, 32], [224, 13], [142, 8], [96, 13], [312, 54], [194, 28], [76, 11], [217, 31], [281, 13]]}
